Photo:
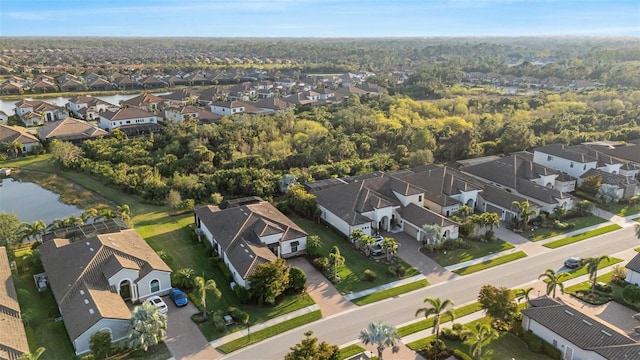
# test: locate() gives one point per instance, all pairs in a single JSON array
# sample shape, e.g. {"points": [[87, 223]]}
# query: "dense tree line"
{"points": [[249, 155]]}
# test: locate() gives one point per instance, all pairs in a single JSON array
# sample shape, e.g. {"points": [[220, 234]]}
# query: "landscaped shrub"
{"points": [[534, 343], [631, 293], [225, 270], [370, 275], [321, 263], [604, 287], [516, 327], [218, 323], [460, 355], [297, 279], [397, 270], [500, 325], [238, 315], [244, 295]]}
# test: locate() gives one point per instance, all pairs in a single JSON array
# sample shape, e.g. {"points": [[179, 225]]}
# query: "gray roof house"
{"points": [[13, 338], [378, 202], [575, 334], [625, 187], [248, 232], [92, 279], [633, 270]]}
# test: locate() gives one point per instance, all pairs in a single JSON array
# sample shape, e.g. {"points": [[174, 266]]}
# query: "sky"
{"points": [[319, 18]]}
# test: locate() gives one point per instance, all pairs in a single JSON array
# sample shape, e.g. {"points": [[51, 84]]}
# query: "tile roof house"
{"points": [[248, 232], [36, 112], [518, 173], [378, 202], [93, 279], [633, 270], [89, 107], [10, 133], [70, 129], [145, 101], [625, 187], [227, 107], [130, 117], [13, 338], [575, 334], [180, 114]]}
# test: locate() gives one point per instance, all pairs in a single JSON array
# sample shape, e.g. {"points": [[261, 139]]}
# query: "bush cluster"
{"points": [[370, 275]]}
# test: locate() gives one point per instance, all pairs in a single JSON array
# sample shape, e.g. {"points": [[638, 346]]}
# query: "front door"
{"points": [[568, 353]]}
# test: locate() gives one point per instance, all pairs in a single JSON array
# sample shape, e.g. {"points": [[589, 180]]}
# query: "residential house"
{"points": [[625, 187], [94, 279], [180, 114], [627, 154], [500, 201], [211, 95], [145, 101], [576, 335], [126, 83], [180, 98], [243, 91], [633, 270], [11, 88], [248, 232], [10, 133], [153, 82], [72, 85], [128, 117], [43, 86], [274, 105], [88, 107], [559, 157], [227, 107], [377, 202], [70, 129], [99, 84], [37, 112], [521, 175], [13, 338]]}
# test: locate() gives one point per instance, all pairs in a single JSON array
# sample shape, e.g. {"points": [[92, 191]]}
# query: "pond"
{"points": [[31, 202]]}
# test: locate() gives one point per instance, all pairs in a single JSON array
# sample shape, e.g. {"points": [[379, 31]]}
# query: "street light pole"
{"points": [[249, 331]]}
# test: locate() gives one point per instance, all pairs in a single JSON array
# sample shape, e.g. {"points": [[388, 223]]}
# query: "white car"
{"points": [[159, 303]]}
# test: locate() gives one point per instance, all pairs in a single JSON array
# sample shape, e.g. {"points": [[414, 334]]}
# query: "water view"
{"points": [[31, 202]]}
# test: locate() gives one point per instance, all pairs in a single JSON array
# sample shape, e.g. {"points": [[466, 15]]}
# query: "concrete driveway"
{"points": [[184, 339]]}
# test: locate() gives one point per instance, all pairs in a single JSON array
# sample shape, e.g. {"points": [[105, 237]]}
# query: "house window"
{"points": [[555, 343], [584, 167], [294, 246], [571, 165], [549, 158], [155, 286], [419, 198]]}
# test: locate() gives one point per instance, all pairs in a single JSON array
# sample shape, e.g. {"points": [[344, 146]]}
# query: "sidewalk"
{"points": [[390, 285], [266, 324]]}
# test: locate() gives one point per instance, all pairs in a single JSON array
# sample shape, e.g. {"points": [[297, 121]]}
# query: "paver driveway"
{"points": [[184, 339]]}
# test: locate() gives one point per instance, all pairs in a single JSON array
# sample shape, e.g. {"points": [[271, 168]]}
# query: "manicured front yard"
{"points": [[428, 323], [490, 263], [583, 270], [583, 236], [625, 209], [349, 351], [356, 262], [478, 249], [578, 223]]}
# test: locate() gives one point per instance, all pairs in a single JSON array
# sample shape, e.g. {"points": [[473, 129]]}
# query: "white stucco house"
{"points": [[111, 120], [576, 335], [247, 232], [227, 107], [93, 279], [88, 107]]}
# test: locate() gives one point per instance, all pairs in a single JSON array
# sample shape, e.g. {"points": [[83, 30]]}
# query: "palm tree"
{"points": [[106, 213], [483, 332], [147, 327], [202, 287], [524, 294], [464, 211], [437, 308], [14, 147], [524, 212], [33, 356], [124, 212], [336, 260], [90, 213], [26, 231], [185, 279], [55, 224], [553, 280], [592, 268], [38, 227], [365, 244], [382, 336], [390, 247], [432, 234]]}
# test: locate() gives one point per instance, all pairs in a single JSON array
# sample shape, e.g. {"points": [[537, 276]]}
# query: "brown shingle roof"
{"points": [[68, 129], [9, 133], [13, 338], [126, 114]]}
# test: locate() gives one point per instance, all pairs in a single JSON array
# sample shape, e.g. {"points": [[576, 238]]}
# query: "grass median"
{"points": [[490, 263], [349, 351], [428, 323], [270, 331], [583, 236], [389, 293]]}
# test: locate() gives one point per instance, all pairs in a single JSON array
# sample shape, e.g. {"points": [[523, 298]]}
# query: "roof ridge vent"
{"points": [[569, 312], [605, 332], [587, 322]]}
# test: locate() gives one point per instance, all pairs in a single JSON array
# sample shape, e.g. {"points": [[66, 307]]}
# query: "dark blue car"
{"points": [[178, 297]]}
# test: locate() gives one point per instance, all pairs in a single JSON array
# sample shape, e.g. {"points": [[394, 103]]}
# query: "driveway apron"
{"points": [[321, 290], [184, 339]]}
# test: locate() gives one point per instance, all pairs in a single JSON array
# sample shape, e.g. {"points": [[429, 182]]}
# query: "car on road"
{"points": [[178, 297], [573, 262], [159, 303]]}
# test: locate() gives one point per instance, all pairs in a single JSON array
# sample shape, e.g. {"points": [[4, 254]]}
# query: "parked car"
{"points": [[376, 250], [573, 262], [178, 297], [159, 303]]}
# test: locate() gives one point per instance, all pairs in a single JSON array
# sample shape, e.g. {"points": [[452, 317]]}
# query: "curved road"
{"points": [[345, 327]]}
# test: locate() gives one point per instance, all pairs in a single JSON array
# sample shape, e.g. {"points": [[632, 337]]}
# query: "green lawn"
{"points": [[349, 351], [355, 261], [478, 249], [428, 323], [490, 263], [389, 293], [270, 331], [583, 236], [624, 209], [583, 270], [171, 234], [578, 223]]}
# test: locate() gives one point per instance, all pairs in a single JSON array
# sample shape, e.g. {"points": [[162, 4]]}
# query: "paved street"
{"points": [[345, 327]]}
